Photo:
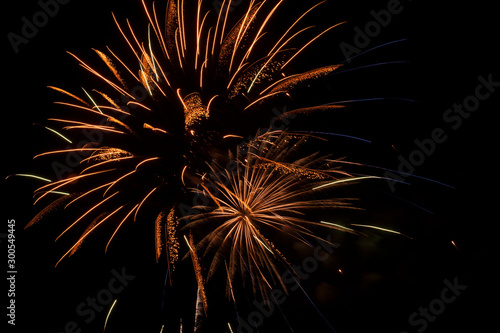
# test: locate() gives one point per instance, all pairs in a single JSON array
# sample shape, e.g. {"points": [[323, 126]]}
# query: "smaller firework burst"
{"points": [[265, 192]]}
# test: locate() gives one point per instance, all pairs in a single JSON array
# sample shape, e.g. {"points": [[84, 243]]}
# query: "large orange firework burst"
{"points": [[206, 86]]}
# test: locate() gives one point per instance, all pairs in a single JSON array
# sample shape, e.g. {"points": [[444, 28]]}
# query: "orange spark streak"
{"points": [[118, 180], [65, 151], [82, 124], [217, 26], [107, 154], [198, 47], [110, 101], [111, 66], [118, 228], [144, 200], [262, 98], [64, 182], [85, 194], [100, 128], [204, 66], [146, 161], [69, 94], [310, 42], [271, 57], [91, 70], [198, 35], [123, 64], [198, 272], [181, 99], [210, 102], [178, 47], [182, 29], [455, 246], [262, 27], [113, 108], [156, 28], [126, 38], [225, 21], [88, 233], [86, 213], [81, 107], [182, 175], [232, 136], [244, 27], [139, 45], [294, 24], [139, 104], [155, 129], [107, 161]]}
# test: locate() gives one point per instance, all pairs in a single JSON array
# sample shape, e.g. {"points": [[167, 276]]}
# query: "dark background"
{"points": [[386, 277]]}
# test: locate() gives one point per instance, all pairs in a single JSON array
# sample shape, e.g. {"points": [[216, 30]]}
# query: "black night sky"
{"points": [[442, 56]]}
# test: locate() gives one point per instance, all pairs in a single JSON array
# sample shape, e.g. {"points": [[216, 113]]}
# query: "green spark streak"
{"points": [[151, 53], [56, 132], [189, 245], [345, 181], [93, 102], [263, 244], [379, 228], [338, 226], [229, 325], [59, 192], [109, 313], [31, 176], [146, 81], [255, 79]]}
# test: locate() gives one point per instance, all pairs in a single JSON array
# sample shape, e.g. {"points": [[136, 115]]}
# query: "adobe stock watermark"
{"points": [[420, 320], [372, 29], [264, 309], [232, 5], [87, 310], [453, 118], [31, 26]]}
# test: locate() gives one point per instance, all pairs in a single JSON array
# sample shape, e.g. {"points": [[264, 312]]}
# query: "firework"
{"points": [[263, 191], [203, 91], [204, 86]]}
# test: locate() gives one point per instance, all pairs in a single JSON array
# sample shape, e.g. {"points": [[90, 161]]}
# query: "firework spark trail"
{"points": [[381, 229], [275, 301], [86, 234], [85, 214], [109, 314], [29, 176], [135, 208], [314, 305], [63, 183], [58, 134], [202, 298]]}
